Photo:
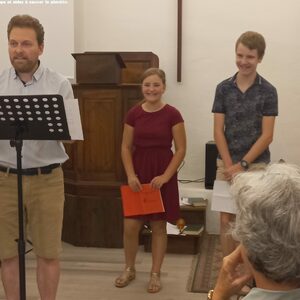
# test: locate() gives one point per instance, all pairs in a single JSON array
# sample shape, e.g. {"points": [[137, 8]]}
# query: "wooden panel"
{"points": [[98, 156], [136, 64], [193, 215], [98, 67], [93, 221], [101, 114], [113, 67]]}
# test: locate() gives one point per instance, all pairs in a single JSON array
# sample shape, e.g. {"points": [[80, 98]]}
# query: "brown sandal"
{"points": [[154, 285], [126, 277]]}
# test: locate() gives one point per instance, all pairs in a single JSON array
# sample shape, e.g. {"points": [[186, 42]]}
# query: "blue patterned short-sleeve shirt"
{"points": [[243, 114]]}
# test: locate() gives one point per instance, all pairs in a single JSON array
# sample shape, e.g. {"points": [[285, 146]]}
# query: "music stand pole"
{"points": [[18, 144]]}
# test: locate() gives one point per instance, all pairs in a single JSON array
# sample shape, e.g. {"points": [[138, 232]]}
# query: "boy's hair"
{"points": [[26, 21], [252, 40]]}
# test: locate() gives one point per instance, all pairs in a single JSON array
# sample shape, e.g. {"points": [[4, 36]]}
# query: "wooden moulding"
{"points": [[97, 67], [113, 67]]}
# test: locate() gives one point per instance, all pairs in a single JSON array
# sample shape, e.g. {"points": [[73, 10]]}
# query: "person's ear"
{"points": [[41, 47]]}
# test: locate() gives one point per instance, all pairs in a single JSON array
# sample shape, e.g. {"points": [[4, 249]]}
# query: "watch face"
{"points": [[244, 164]]}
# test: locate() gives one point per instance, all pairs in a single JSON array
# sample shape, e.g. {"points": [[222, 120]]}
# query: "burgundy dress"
{"points": [[152, 142]]}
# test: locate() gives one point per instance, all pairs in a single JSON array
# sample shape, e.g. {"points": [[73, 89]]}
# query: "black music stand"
{"points": [[35, 117]]}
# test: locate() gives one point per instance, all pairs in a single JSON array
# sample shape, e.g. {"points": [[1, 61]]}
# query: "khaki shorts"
{"points": [[220, 168], [43, 199]]}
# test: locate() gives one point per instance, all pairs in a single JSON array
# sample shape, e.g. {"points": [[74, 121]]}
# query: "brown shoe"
{"points": [[125, 278], [154, 285]]}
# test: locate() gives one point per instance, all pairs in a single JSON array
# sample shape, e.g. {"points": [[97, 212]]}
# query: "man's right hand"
{"points": [[230, 281]]}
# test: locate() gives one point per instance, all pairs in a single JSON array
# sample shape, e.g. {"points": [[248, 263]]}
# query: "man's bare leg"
{"points": [[228, 244], [48, 272], [10, 278]]}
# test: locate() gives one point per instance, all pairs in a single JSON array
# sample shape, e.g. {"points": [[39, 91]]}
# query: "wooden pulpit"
{"points": [[98, 67], [94, 172]]}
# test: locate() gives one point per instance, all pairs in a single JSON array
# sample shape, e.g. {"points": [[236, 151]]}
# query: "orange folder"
{"points": [[147, 201]]}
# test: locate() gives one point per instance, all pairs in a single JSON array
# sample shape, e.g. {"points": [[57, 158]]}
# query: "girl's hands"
{"points": [[134, 183], [158, 181]]}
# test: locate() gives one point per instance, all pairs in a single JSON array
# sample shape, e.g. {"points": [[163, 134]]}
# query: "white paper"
{"points": [[173, 229], [184, 201], [221, 197], [73, 118]]}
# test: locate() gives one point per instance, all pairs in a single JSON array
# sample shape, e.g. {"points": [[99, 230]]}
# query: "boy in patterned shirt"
{"points": [[245, 107]]}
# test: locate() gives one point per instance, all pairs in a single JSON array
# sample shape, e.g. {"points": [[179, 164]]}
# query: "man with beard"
{"points": [[43, 184]]}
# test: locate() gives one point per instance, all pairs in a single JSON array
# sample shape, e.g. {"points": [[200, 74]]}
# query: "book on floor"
{"points": [[147, 201], [194, 201], [193, 229], [172, 229]]}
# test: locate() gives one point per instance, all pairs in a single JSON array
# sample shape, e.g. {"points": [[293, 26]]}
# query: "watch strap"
{"points": [[244, 164]]}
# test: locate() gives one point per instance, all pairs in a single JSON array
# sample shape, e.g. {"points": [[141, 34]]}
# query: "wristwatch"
{"points": [[244, 164], [210, 295]]}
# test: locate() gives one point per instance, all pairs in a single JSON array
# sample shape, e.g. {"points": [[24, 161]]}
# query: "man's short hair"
{"points": [[27, 21], [252, 40]]}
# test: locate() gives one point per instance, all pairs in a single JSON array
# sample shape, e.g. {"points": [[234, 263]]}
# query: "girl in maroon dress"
{"points": [[149, 130]]}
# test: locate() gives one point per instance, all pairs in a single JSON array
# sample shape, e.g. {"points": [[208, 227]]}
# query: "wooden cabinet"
{"points": [[94, 172], [186, 244]]}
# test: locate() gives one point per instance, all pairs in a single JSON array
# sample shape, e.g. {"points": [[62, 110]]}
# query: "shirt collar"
{"points": [[258, 79], [36, 76]]}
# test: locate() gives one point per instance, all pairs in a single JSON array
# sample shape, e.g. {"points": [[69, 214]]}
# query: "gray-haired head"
{"points": [[268, 220]]}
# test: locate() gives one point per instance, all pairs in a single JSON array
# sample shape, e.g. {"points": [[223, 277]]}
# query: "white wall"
{"points": [[57, 20], [210, 29]]}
